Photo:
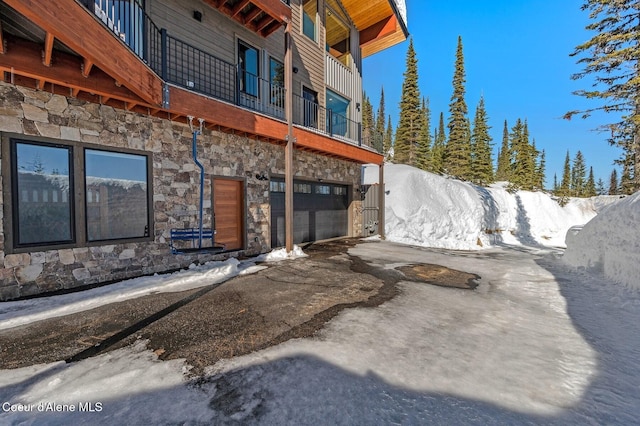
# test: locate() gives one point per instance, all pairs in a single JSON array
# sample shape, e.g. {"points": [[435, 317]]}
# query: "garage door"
{"points": [[320, 211]]}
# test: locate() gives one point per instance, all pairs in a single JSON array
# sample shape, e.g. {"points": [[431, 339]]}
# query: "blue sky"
{"points": [[516, 56]]}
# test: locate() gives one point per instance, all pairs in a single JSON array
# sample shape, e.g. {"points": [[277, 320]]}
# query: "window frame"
{"points": [[77, 193], [244, 74]]}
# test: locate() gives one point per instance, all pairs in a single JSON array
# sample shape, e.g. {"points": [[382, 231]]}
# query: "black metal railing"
{"points": [[309, 114], [184, 65]]}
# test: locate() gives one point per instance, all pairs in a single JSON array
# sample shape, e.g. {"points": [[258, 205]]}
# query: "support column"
{"points": [[381, 193], [288, 164]]}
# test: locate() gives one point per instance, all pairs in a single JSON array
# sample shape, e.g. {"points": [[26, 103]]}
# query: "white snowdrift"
{"points": [[610, 243], [430, 210]]}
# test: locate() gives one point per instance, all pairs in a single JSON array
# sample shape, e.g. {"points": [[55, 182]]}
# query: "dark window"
{"points": [[248, 64], [48, 207], [116, 202], [42, 195], [310, 107]]}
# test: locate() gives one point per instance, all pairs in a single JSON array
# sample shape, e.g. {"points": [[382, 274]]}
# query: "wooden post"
{"points": [[381, 194], [288, 164]]}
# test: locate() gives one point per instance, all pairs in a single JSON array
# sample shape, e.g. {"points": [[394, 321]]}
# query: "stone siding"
{"points": [[175, 188]]}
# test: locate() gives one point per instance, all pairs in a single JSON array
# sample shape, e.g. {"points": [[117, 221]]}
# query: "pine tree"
{"points": [[578, 176], [368, 130], [556, 187], [408, 132], [439, 146], [565, 184], [380, 122], [627, 186], [423, 150], [613, 183], [610, 57], [482, 163], [458, 151], [519, 148], [541, 171], [600, 187], [590, 187], [388, 139], [503, 171]]}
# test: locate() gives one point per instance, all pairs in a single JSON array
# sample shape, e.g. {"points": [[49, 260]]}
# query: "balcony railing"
{"points": [[184, 65]]}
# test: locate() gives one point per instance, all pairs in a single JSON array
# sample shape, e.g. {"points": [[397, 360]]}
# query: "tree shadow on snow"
{"points": [[607, 316]]}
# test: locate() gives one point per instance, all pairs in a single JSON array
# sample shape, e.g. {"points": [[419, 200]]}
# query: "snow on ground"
{"points": [[16, 313], [610, 243], [538, 342], [435, 211]]}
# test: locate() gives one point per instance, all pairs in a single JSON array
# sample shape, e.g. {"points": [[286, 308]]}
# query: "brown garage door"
{"points": [[228, 207]]}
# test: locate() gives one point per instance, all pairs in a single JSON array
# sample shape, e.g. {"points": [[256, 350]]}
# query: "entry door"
{"points": [[228, 207]]}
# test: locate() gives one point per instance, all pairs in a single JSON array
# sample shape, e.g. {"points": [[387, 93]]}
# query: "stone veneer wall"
{"points": [[175, 188]]}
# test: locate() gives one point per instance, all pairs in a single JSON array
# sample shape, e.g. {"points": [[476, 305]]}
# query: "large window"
{"points": [[70, 194], [248, 64], [309, 18], [337, 114], [42, 199], [116, 202], [310, 107]]}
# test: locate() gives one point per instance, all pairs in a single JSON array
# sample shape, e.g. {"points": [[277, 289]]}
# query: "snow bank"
{"points": [[610, 243], [430, 210]]}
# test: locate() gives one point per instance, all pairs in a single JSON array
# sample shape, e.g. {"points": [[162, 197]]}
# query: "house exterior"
{"points": [[105, 104]]}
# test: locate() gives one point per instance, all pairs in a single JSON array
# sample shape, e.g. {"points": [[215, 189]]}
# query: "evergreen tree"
{"points": [[423, 150], [388, 139], [482, 163], [541, 171], [600, 187], [590, 187], [578, 176], [613, 183], [408, 132], [458, 151], [626, 180], [565, 184], [523, 168], [503, 171], [439, 146], [556, 187], [610, 57], [368, 130], [380, 121]]}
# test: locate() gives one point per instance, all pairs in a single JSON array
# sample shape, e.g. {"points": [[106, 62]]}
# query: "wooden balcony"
{"points": [[65, 48]]}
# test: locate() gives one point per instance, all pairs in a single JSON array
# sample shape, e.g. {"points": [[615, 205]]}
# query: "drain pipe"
{"points": [[194, 151]]}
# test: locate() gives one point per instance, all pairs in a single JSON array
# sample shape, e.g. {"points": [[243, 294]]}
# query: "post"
{"points": [[288, 164], [381, 194]]}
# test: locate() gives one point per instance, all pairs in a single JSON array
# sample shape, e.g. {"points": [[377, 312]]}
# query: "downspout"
{"points": [[194, 152]]}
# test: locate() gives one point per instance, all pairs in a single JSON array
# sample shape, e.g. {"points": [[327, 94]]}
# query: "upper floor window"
{"points": [[276, 82], [309, 19], [338, 34], [337, 114], [249, 68]]}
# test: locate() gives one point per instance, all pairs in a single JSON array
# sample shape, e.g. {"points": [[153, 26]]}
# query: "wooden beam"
{"points": [[23, 58], [72, 24], [48, 49], [247, 18], [238, 7], [1, 40], [86, 67]]}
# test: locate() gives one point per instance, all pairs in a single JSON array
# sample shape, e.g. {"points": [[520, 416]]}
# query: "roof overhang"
{"points": [[263, 17], [381, 23]]}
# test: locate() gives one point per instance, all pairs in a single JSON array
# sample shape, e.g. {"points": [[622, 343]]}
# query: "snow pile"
{"points": [[610, 243], [434, 211], [281, 254]]}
